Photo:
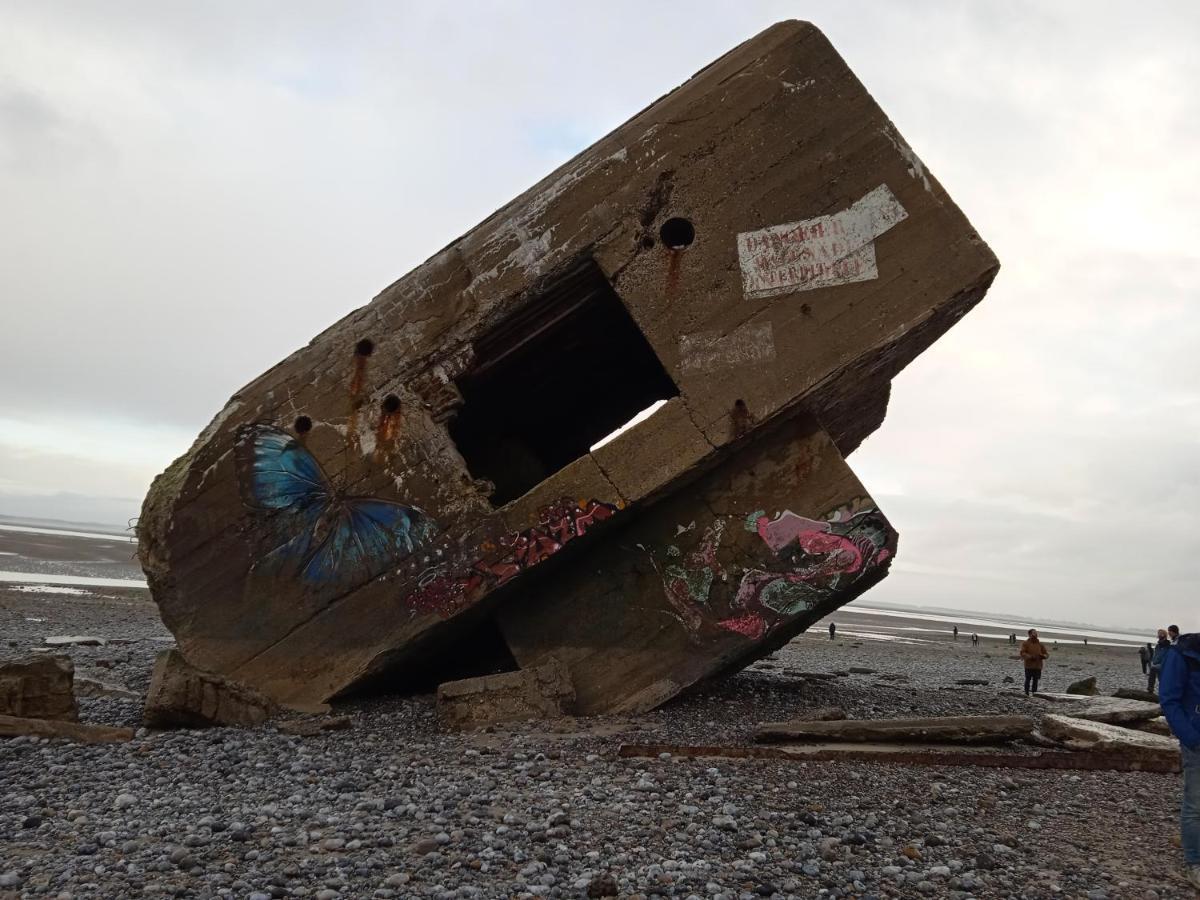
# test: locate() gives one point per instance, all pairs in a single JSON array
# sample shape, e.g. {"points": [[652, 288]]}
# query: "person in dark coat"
{"points": [[1144, 654], [832, 630], [1161, 649], [1179, 693]]}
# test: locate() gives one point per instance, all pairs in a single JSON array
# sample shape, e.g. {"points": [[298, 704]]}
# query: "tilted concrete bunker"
{"points": [[421, 493]]}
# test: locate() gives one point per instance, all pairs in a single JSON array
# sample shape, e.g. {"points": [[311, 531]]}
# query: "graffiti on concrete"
{"points": [[324, 536], [691, 580], [822, 556], [810, 560], [445, 588]]}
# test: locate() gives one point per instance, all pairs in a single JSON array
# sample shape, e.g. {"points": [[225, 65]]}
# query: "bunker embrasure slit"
{"points": [[551, 381]]}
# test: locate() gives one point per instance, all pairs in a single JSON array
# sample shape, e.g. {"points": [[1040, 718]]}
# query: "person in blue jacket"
{"points": [[1179, 694]]}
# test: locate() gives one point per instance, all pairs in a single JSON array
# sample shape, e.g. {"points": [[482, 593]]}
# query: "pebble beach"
{"points": [[397, 807]]}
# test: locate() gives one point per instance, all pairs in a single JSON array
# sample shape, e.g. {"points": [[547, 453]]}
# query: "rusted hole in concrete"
{"points": [[303, 425], [551, 381], [365, 347], [677, 233], [391, 404]]}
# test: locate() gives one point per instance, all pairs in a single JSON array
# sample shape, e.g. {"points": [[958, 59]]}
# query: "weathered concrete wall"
{"points": [[723, 572], [772, 247]]}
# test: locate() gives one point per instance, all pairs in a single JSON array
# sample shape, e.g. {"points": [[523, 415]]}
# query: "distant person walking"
{"points": [[974, 639], [1085, 641], [1144, 654], [1180, 697], [1033, 655], [832, 630], [1161, 649], [956, 632]]}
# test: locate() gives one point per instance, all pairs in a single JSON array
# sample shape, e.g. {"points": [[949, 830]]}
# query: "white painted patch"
{"points": [[712, 351], [792, 87], [820, 252], [916, 168]]}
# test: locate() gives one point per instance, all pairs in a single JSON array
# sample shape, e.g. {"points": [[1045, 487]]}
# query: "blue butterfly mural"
{"points": [[327, 537]]}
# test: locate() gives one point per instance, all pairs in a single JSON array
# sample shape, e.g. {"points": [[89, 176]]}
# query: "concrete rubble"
{"points": [[38, 687], [1111, 710], [431, 489], [182, 696], [540, 692], [96, 688], [1081, 734]]}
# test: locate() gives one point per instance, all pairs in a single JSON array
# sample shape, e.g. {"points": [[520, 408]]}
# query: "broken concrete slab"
{"points": [[97, 689], [38, 687], [182, 696], [1111, 710], [1082, 734], [541, 692], [1135, 694], [1157, 726], [15, 726], [956, 729], [767, 311], [75, 640]]}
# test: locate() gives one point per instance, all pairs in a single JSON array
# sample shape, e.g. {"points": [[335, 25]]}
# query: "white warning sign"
{"points": [[821, 252]]}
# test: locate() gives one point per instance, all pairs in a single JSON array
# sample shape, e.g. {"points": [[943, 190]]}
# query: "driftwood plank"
{"points": [[15, 726], [956, 729], [1081, 760]]}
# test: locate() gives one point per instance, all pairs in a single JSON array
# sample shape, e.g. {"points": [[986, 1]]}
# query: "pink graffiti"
{"points": [[838, 553], [752, 625], [558, 524]]}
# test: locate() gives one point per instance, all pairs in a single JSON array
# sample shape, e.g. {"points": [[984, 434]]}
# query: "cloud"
{"points": [[193, 191]]}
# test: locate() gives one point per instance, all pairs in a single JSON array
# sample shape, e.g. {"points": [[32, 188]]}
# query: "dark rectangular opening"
{"points": [[551, 381]]}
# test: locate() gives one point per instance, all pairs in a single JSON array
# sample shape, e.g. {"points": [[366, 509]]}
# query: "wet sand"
{"points": [[69, 555]]}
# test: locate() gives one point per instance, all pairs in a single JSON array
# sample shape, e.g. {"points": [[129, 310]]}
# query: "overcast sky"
{"points": [[189, 192]]}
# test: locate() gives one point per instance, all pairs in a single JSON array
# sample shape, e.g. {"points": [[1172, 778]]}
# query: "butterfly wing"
{"points": [[277, 472], [365, 539], [278, 475]]}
